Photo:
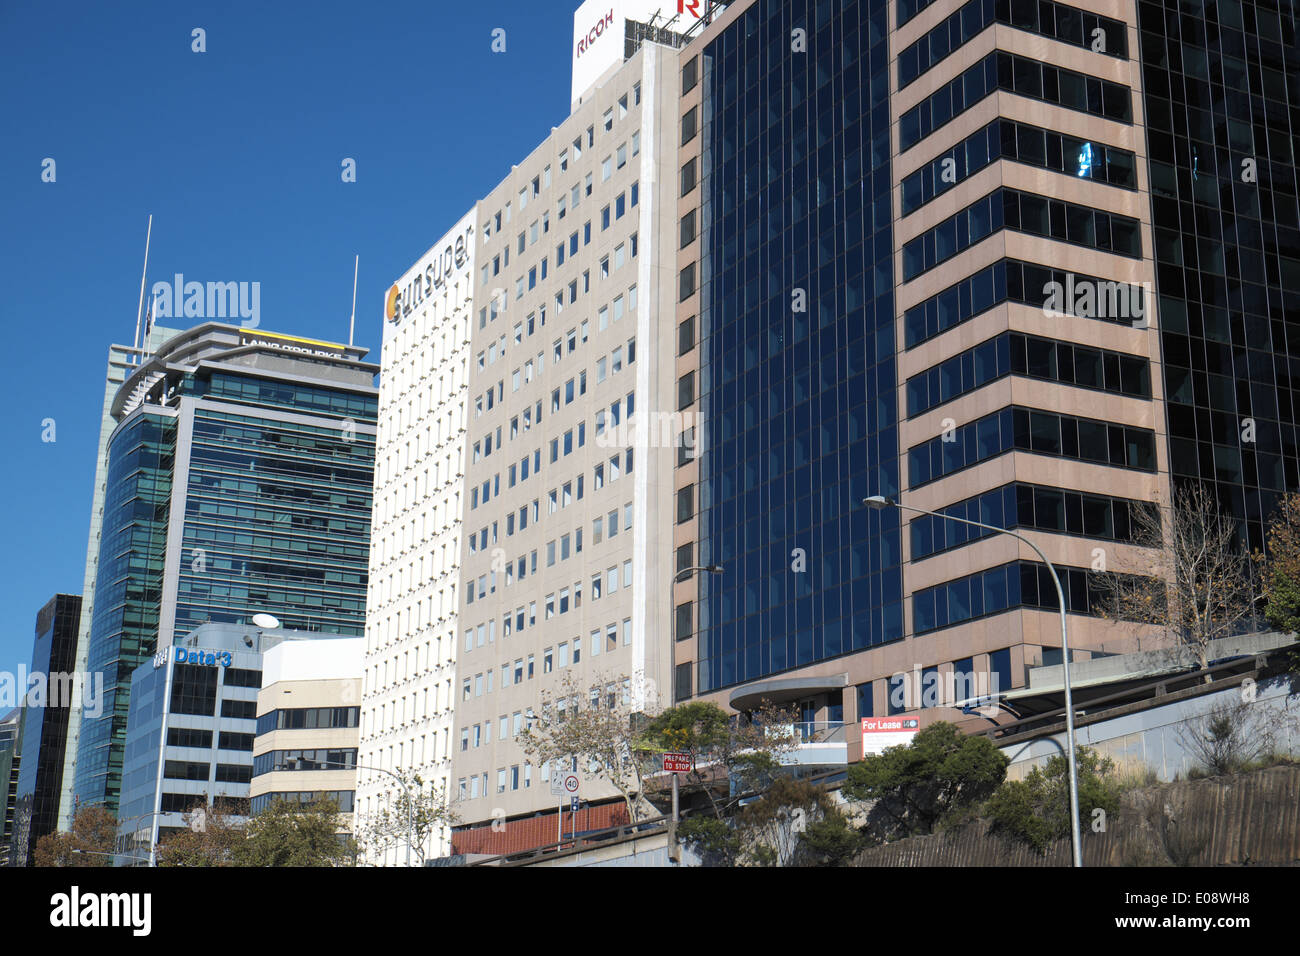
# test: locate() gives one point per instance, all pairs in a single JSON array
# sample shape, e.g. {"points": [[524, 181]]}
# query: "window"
{"points": [[688, 229], [689, 124], [636, 143], [686, 391], [686, 336], [620, 157], [688, 176], [686, 282], [622, 106], [608, 119], [690, 75], [685, 503], [606, 168]]}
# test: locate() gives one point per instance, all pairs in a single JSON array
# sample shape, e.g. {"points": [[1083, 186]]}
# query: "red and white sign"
{"points": [[677, 763], [570, 783], [880, 733], [600, 32]]}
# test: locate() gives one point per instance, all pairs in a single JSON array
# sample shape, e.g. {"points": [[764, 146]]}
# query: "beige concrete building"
{"points": [[308, 724], [568, 492]]}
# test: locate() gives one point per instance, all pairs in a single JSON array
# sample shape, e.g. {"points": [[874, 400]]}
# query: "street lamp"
{"points": [[153, 837], [125, 856], [410, 800], [879, 503]]}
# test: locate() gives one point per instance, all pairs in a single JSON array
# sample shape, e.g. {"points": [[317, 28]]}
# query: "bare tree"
{"points": [[1195, 579], [409, 813], [1232, 734], [594, 724]]}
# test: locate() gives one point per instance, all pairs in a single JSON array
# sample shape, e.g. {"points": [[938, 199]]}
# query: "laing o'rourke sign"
{"points": [[878, 733]]}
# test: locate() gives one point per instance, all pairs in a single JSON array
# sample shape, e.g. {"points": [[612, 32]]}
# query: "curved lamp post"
{"points": [[880, 502]]}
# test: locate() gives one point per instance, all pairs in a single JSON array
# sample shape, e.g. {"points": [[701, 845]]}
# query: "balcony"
{"points": [[821, 744]]}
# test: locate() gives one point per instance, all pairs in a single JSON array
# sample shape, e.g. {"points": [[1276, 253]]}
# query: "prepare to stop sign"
{"points": [[677, 763]]}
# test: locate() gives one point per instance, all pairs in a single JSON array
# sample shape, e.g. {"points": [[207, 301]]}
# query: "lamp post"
{"points": [[410, 799], [880, 502], [153, 837], [126, 856], [672, 832]]}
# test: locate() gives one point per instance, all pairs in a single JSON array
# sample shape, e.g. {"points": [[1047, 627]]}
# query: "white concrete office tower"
{"points": [[411, 611], [567, 555], [122, 361]]}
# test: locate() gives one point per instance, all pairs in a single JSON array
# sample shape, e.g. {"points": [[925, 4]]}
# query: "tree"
{"points": [[917, 787], [795, 822], [406, 807], [1280, 569], [1036, 810], [1230, 735], [292, 834], [212, 837], [1195, 579], [596, 726], [732, 755], [91, 842]]}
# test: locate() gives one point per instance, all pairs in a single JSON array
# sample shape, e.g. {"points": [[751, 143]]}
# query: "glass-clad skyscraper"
{"points": [[45, 723], [239, 481], [796, 334], [1024, 262], [1222, 103]]}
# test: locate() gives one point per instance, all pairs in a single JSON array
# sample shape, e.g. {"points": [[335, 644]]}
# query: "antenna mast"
{"points": [[352, 323], [139, 312]]}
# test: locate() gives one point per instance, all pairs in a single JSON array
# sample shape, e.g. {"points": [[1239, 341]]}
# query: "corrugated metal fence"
{"points": [[1241, 820]]}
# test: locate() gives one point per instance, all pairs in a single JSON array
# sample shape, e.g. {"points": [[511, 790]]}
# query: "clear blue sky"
{"points": [[236, 152]]}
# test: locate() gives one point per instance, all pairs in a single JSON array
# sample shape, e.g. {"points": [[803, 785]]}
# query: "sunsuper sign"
{"points": [[439, 269]]}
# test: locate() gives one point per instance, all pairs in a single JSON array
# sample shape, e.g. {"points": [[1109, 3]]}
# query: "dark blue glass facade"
{"points": [[798, 382], [1222, 90], [128, 592]]}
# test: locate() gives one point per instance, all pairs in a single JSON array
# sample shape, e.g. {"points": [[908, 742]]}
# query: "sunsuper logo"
{"points": [[437, 272]]}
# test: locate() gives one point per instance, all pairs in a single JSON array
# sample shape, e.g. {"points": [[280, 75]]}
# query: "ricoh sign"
{"points": [[600, 28]]}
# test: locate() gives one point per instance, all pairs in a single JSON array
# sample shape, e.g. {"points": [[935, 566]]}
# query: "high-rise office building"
{"points": [[122, 360], [191, 726], [956, 253], [239, 481], [10, 767], [45, 724], [962, 252], [517, 536]]}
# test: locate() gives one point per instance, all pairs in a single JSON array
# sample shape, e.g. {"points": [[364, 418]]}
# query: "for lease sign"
{"points": [[878, 733]]}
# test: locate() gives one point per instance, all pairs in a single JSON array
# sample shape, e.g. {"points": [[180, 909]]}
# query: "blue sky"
{"points": [[237, 153]]}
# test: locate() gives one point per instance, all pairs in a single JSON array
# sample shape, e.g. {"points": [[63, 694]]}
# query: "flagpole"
{"points": [[139, 312]]}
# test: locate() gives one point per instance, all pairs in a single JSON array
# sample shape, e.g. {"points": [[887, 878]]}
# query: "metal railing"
{"points": [[821, 731]]}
